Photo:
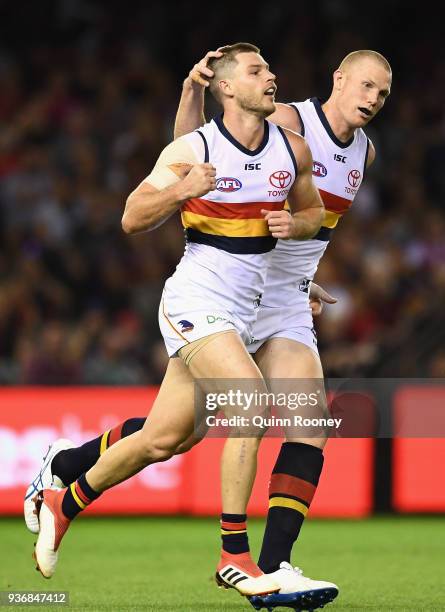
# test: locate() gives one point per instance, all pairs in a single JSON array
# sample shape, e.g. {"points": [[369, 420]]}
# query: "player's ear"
{"points": [[225, 87], [338, 80]]}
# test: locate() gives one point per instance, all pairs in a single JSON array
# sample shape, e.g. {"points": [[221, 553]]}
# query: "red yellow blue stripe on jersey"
{"points": [[336, 207], [232, 227]]}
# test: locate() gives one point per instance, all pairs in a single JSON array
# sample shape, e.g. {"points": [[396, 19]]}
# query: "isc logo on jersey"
{"points": [[227, 184], [318, 169]]}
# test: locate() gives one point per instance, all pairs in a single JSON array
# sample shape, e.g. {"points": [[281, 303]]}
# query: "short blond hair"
{"points": [[223, 66], [353, 57]]}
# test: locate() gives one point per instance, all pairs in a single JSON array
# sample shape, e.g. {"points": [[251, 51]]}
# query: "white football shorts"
{"points": [[200, 300], [292, 320]]}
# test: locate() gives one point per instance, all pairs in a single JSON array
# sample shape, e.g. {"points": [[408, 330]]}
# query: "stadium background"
{"points": [[88, 95]]}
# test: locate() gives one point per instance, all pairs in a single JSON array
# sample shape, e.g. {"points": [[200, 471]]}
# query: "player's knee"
{"points": [[187, 445], [160, 448], [157, 452]]}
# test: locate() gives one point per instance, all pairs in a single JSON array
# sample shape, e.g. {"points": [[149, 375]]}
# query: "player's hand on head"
{"points": [[281, 223], [200, 180], [317, 297], [201, 74]]}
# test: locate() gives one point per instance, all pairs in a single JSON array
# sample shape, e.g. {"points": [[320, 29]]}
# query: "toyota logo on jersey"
{"points": [[280, 179], [354, 178]]}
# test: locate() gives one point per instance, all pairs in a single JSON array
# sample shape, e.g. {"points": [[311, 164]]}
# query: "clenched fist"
{"points": [[281, 223], [199, 181]]}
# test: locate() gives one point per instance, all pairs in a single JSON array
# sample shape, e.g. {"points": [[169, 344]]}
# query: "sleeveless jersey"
{"points": [[230, 218], [338, 170], [228, 241]]}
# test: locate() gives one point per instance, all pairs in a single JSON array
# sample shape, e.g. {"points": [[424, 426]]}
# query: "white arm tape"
{"points": [[178, 153]]}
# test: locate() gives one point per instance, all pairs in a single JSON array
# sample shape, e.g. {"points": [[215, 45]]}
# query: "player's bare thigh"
{"points": [[223, 365], [223, 356], [282, 358], [172, 418]]}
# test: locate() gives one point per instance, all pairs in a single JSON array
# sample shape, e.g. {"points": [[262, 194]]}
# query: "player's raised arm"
{"points": [[190, 114], [306, 206], [176, 177]]}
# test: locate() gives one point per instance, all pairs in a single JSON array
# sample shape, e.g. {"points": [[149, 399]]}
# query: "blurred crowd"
{"points": [[84, 111]]}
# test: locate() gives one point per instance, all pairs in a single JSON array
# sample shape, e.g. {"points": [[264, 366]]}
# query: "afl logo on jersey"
{"points": [[318, 169], [354, 178], [280, 179], [228, 183]]}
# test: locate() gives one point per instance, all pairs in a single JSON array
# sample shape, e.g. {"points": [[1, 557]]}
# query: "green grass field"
{"points": [[166, 564]]}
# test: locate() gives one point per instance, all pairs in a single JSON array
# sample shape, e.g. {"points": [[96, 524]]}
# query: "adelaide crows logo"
{"points": [[186, 326]]}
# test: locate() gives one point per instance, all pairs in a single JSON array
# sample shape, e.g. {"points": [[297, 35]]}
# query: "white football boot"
{"points": [[45, 479], [53, 525], [296, 591], [240, 573]]}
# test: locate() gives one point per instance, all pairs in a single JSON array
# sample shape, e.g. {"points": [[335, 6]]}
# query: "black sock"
{"points": [[69, 464], [77, 497], [292, 486], [234, 533]]}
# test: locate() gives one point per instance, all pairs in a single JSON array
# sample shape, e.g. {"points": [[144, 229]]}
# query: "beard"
{"points": [[260, 107]]}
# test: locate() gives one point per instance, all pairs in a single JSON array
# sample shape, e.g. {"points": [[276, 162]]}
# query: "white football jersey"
{"points": [[228, 241], [338, 170]]}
